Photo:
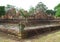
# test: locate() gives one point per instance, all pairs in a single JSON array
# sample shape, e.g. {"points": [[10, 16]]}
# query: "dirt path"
{"points": [[8, 38]]}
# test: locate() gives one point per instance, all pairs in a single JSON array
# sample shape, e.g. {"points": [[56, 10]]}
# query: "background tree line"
{"points": [[39, 7]]}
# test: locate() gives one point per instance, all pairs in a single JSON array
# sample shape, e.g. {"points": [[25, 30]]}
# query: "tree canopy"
{"points": [[41, 7], [2, 10], [10, 9], [57, 9], [51, 12], [31, 10], [23, 13]]}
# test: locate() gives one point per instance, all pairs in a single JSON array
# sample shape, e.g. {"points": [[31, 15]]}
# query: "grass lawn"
{"points": [[50, 37], [47, 37], [53, 37]]}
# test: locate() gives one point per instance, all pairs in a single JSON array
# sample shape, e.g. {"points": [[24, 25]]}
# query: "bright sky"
{"points": [[26, 4]]}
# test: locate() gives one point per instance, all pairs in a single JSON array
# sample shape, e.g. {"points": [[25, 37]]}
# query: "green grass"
{"points": [[49, 37], [52, 37]]}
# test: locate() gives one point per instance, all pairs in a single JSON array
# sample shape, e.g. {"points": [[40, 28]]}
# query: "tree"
{"points": [[31, 10], [24, 13], [50, 12], [10, 9], [57, 9], [2, 10], [41, 7]]}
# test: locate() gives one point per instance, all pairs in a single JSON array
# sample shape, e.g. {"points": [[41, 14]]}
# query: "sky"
{"points": [[26, 4]]}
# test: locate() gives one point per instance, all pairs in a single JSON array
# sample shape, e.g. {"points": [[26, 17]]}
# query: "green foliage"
{"points": [[22, 11], [41, 7], [8, 7], [57, 9], [31, 10], [57, 13], [52, 12], [2, 10]]}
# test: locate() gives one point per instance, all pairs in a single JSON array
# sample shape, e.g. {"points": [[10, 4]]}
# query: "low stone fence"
{"points": [[13, 29]]}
